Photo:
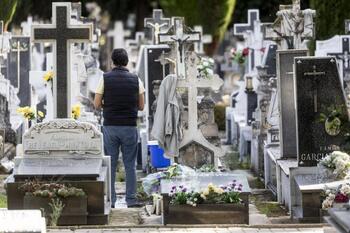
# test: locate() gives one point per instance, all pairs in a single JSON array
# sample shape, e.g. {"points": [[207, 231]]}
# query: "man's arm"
{"points": [[141, 101], [98, 101]]}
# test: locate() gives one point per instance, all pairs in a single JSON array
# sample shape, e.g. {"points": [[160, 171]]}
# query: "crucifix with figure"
{"points": [[62, 34], [314, 74], [192, 82], [177, 37], [344, 56], [157, 23]]}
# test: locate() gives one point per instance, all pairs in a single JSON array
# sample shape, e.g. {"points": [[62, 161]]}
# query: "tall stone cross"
{"points": [[252, 35], [177, 37], [119, 34], [344, 56], [62, 34], [291, 27], [192, 82], [205, 39], [157, 23]]}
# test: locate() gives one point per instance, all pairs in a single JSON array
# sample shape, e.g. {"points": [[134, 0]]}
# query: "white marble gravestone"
{"points": [[22, 221]]}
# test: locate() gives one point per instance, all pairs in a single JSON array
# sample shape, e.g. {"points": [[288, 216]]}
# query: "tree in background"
{"points": [[213, 15], [7, 11], [330, 16]]}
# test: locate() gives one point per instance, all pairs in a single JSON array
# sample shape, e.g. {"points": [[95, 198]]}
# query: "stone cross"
{"points": [[157, 23], [62, 33], [192, 82], [206, 39], [347, 26], [178, 36], [291, 27], [136, 43], [164, 59], [344, 56], [19, 46], [27, 26], [253, 37], [119, 34]]}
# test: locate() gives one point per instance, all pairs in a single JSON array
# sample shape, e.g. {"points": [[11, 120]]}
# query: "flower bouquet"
{"points": [[336, 198], [76, 111], [337, 164], [239, 56], [206, 67]]}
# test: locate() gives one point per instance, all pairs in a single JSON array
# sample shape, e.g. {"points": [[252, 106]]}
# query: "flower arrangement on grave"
{"points": [[239, 56], [206, 67], [212, 194], [339, 196], [338, 163], [207, 168], [54, 195], [48, 76], [29, 114], [50, 190], [76, 111], [151, 183]]}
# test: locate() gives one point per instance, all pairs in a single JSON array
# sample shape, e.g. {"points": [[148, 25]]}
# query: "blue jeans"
{"points": [[124, 138]]}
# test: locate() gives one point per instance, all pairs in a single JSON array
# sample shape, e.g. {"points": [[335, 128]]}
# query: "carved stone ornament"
{"points": [[63, 135]]}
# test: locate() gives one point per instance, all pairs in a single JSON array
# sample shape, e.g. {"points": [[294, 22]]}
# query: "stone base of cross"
{"points": [[192, 82]]}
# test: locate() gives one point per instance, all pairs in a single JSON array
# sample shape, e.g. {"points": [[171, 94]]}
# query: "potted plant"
{"points": [[211, 205]]}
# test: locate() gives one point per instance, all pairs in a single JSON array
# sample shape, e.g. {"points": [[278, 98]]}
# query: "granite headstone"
{"points": [[321, 114]]}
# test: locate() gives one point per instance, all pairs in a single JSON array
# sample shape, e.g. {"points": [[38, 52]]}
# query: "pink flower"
{"points": [[262, 50], [233, 51]]}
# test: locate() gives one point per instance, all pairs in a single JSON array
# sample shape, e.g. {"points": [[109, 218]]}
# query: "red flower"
{"points": [[341, 198], [262, 50], [245, 52]]}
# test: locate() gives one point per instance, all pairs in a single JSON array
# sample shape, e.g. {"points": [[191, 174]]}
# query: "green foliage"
{"points": [[330, 16], [57, 208], [213, 15], [220, 116], [3, 201], [7, 11]]}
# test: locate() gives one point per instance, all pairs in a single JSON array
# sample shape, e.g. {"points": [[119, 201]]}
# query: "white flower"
{"points": [[211, 60], [205, 63], [345, 189], [200, 67]]}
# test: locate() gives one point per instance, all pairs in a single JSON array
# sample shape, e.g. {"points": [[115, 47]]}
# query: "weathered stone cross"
{"points": [[192, 82], [157, 23], [205, 39], [177, 36], [291, 27], [62, 33], [118, 34]]}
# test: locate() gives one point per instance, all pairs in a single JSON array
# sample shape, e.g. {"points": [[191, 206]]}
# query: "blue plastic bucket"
{"points": [[157, 155]]}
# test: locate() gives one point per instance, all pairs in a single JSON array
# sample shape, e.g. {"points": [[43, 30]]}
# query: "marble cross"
{"points": [[19, 45], [157, 23], [27, 26], [241, 28], [177, 37], [206, 39], [292, 26], [251, 32], [136, 43], [347, 26], [119, 34], [62, 34], [344, 56], [192, 82]]}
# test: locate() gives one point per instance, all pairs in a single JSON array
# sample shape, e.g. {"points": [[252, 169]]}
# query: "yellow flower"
{"points": [[40, 114], [76, 111], [219, 190], [27, 112], [48, 76]]}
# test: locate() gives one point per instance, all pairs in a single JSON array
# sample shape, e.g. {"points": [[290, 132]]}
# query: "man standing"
{"points": [[121, 94]]}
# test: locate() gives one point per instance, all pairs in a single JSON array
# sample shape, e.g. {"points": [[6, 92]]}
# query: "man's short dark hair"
{"points": [[120, 57]]}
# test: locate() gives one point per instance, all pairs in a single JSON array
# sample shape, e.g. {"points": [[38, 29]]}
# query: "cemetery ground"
{"points": [[265, 213]]}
